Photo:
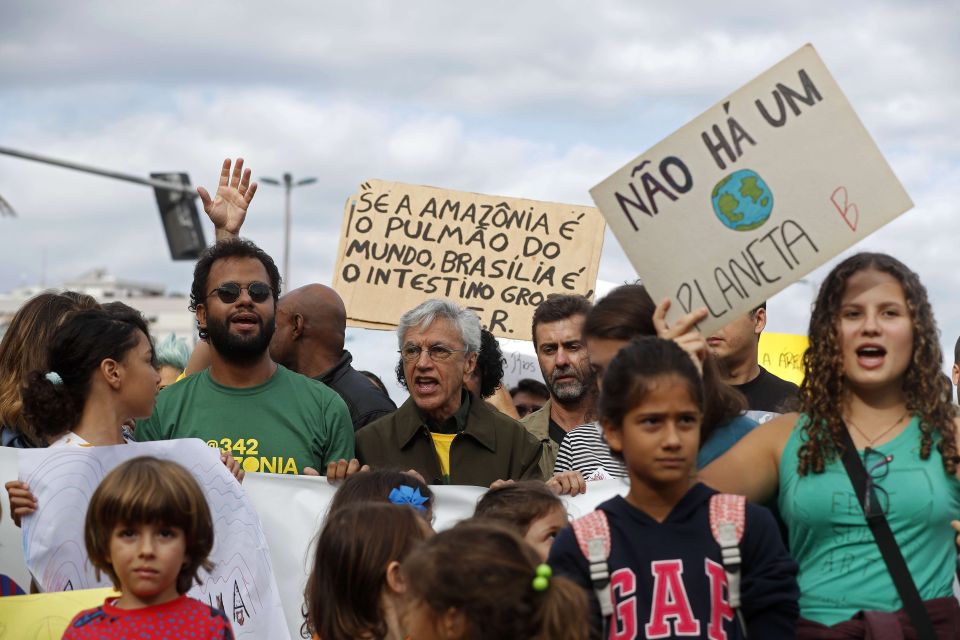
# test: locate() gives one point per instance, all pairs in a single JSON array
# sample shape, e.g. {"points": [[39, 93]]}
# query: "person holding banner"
{"points": [[866, 476], [273, 419], [565, 365], [443, 432]]}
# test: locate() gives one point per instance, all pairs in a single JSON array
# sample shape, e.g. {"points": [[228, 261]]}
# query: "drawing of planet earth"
{"points": [[742, 200]]}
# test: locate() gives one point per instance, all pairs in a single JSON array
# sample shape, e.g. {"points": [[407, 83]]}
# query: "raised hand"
{"points": [[684, 332], [228, 209]]}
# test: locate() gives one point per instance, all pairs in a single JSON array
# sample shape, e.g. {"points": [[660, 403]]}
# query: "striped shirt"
{"points": [[584, 450]]}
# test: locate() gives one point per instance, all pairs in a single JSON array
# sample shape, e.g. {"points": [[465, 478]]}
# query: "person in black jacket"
{"points": [[311, 324], [667, 577]]}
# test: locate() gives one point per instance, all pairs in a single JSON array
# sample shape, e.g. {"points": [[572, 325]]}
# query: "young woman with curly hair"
{"points": [[874, 369]]}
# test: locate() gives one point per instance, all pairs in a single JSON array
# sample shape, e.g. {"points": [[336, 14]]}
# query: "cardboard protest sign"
{"points": [[402, 244], [753, 194], [782, 355]]}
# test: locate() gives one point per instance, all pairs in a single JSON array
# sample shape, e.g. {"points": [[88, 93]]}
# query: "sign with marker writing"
{"points": [[782, 354], [752, 195], [402, 244]]}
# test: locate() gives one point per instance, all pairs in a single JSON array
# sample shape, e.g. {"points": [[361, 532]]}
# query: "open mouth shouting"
{"points": [[870, 356], [425, 385], [245, 321]]}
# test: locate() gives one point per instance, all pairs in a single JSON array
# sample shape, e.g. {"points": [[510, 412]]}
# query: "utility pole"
{"points": [[288, 184]]}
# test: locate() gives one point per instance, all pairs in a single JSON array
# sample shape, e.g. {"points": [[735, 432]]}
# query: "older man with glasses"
{"points": [[441, 431]]}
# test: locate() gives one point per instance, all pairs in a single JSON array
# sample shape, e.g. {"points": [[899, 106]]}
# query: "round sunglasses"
{"points": [[228, 292]]}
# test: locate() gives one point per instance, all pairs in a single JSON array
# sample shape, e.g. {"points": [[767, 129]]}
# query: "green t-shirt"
{"points": [[841, 569], [281, 426]]}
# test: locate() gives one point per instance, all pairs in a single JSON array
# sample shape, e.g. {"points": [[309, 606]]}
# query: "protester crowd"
{"points": [[752, 508]]}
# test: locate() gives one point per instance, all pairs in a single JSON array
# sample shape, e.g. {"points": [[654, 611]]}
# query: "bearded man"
{"points": [[272, 419], [565, 365]]}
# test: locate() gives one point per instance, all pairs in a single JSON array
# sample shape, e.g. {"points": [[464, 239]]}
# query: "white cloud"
{"points": [[540, 100]]}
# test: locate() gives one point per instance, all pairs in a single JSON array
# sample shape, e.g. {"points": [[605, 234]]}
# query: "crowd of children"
{"points": [[681, 554]]}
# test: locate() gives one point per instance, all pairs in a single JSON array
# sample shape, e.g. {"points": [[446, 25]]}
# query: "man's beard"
{"points": [[236, 349], [570, 391]]}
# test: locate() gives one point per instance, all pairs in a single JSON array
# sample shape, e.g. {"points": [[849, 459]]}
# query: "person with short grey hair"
{"points": [[426, 312], [442, 431]]}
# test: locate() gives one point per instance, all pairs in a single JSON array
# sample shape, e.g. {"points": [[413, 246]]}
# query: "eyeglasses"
{"points": [[228, 292], [437, 352], [524, 409], [876, 497]]}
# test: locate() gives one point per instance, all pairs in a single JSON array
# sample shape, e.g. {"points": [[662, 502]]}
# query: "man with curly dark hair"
{"points": [[272, 419]]}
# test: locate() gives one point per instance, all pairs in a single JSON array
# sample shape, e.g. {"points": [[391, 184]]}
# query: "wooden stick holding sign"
{"points": [[752, 195], [401, 244]]}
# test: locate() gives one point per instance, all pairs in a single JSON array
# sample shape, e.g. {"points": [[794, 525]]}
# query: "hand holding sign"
{"points": [[684, 332], [752, 189]]}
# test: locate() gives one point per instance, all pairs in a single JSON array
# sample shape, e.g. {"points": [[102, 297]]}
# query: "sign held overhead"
{"points": [[401, 244], [752, 195]]}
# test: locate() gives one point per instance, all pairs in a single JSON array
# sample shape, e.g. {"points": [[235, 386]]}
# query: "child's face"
{"points": [[544, 529], [421, 623], [659, 437], [147, 559], [876, 330]]}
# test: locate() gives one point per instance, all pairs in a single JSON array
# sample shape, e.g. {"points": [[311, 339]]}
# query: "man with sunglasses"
{"points": [[272, 419], [441, 431]]}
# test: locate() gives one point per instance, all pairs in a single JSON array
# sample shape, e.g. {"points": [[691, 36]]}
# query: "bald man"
{"points": [[311, 322]]}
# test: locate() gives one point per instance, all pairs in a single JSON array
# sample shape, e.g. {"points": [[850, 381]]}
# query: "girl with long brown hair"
{"points": [[873, 372]]}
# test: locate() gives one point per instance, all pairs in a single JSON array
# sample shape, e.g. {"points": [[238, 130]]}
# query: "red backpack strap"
{"points": [[727, 509], [593, 537], [591, 526], [728, 514]]}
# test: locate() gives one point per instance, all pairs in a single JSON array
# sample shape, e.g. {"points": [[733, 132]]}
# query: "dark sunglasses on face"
{"points": [[228, 292], [524, 409]]}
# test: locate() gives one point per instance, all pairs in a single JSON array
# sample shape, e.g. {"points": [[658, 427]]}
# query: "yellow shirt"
{"points": [[442, 442]]}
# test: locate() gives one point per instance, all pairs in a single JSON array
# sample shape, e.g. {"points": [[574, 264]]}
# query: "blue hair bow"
{"points": [[405, 494]]}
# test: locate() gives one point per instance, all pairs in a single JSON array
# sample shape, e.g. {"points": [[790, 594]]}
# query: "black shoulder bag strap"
{"points": [[889, 548]]}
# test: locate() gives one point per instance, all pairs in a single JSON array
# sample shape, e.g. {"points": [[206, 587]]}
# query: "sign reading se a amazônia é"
{"points": [[401, 244]]}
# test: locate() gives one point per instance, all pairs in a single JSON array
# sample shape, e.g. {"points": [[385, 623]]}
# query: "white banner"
{"points": [[290, 509], [63, 480]]}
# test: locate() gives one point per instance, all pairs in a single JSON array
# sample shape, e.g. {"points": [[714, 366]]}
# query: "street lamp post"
{"points": [[288, 185]]}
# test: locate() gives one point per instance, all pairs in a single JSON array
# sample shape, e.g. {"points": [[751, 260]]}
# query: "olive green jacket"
{"points": [[491, 447], [538, 424]]}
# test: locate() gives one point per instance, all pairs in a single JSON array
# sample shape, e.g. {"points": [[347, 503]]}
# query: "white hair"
{"points": [[425, 313]]}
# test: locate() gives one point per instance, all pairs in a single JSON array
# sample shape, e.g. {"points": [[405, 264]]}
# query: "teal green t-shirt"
{"points": [[841, 569], [281, 426]]}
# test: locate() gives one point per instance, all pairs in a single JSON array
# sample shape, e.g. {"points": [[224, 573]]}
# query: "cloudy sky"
{"points": [[539, 99]]}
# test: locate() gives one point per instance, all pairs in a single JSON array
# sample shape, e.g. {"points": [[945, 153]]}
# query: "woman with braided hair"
{"points": [[873, 378]]}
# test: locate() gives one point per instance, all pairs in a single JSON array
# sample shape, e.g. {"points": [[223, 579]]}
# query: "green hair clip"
{"points": [[542, 580]]}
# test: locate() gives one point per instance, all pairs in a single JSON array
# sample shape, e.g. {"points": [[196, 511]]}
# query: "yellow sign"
{"points": [[46, 615], [782, 355]]}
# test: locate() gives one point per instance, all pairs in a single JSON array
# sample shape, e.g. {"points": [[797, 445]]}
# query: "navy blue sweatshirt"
{"points": [[667, 578]]}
